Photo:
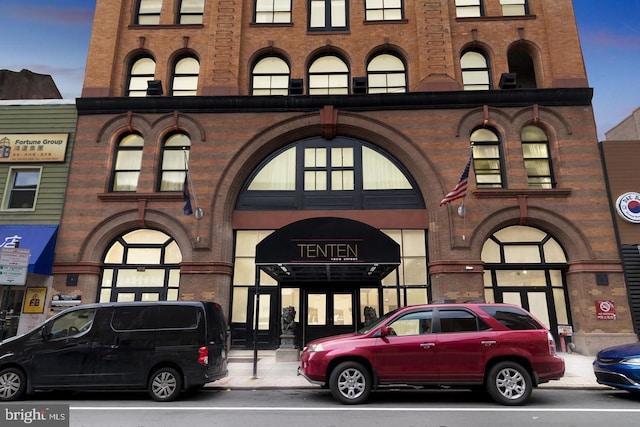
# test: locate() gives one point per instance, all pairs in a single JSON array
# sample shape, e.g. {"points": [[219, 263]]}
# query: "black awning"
{"points": [[327, 249]]}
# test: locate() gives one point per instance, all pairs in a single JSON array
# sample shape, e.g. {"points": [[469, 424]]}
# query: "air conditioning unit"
{"points": [[296, 87], [508, 81], [359, 85], [154, 87]]}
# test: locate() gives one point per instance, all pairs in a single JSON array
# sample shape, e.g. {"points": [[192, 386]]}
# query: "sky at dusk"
{"points": [[52, 37]]}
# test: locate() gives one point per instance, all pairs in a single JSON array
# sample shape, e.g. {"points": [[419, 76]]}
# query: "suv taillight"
{"points": [[552, 344], [203, 356]]}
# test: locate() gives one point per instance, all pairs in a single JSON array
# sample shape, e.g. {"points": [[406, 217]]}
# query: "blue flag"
{"points": [[187, 209]]}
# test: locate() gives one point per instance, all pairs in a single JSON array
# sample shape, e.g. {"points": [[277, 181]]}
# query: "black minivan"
{"points": [[162, 347]]}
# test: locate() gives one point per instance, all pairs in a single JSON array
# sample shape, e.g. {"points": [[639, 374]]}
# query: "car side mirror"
{"points": [[385, 331], [44, 333]]}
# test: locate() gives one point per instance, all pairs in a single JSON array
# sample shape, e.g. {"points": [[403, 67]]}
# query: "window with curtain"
{"points": [[537, 161], [328, 75], [22, 188], [126, 166], [149, 12], [142, 70], [273, 12], [185, 77], [386, 74], [191, 12], [270, 76], [514, 7], [175, 161], [475, 71], [487, 162], [468, 8], [328, 14], [383, 10]]}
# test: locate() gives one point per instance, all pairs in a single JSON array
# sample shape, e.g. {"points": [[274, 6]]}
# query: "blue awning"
{"points": [[40, 239]]}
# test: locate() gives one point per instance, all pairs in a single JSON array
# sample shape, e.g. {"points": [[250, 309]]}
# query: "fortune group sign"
{"points": [[33, 147]]}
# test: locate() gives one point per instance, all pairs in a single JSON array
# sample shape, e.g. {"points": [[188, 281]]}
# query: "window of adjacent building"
{"points": [[328, 14], [475, 71], [22, 188], [142, 70], [175, 161], [487, 163], [270, 76], [537, 161], [191, 12], [185, 77], [328, 75], [128, 159], [468, 8], [526, 266], [141, 265], [386, 74], [273, 11], [514, 7], [383, 10], [149, 12]]}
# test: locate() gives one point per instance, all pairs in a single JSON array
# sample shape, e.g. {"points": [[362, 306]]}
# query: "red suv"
{"points": [[498, 347]]}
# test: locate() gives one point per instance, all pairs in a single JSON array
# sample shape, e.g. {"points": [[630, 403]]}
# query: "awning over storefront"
{"points": [[327, 249], [39, 239]]}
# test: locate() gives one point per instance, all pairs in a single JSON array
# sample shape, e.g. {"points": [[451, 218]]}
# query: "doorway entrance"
{"points": [[328, 312]]}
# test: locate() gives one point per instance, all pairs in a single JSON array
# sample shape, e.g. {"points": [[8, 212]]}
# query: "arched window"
{"points": [[475, 71], [270, 76], [142, 70], [526, 266], [126, 166], [141, 265], [328, 75], [487, 159], [191, 12], [521, 63], [175, 160], [185, 77], [537, 162], [386, 74], [149, 12]]}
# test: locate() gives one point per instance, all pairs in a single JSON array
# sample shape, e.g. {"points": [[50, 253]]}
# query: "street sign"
{"points": [[14, 263], [12, 275]]}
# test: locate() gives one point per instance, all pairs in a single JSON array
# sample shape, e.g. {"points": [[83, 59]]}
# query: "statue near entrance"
{"points": [[287, 351], [369, 315], [288, 320]]}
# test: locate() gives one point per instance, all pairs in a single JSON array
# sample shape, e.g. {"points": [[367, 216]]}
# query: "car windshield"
{"points": [[376, 322]]}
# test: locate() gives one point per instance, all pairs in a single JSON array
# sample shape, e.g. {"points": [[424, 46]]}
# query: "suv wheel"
{"points": [[508, 383], [350, 383], [12, 384], [165, 385]]}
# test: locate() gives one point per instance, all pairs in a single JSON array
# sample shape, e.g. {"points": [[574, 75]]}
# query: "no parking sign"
{"points": [[605, 310]]}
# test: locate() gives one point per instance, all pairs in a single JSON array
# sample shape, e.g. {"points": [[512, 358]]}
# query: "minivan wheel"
{"points": [[508, 383], [350, 383], [165, 385], [13, 384]]}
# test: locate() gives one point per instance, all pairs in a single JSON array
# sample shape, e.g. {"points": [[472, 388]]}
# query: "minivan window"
{"points": [[512, 317], [134, 318], [73, 323], [460, 321], [178, 317]]}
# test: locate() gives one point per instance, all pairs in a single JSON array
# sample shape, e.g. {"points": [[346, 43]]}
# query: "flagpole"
{"points": [[198, 213]]}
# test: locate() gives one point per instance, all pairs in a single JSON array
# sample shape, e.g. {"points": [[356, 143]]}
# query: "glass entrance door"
{"points": [[328, 313]]}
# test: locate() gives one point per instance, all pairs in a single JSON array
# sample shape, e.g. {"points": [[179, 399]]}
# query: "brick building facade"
{"points": [[340, 130]]}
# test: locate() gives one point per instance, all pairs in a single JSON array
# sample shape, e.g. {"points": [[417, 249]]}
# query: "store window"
{"points": [[175, 162], [126, 166], [273, 12], [142, 70], [328, 14], [22, 188], [537, 162], [386, 73], [149, 12], [141, 265], [328, 75], [185, 77], [270, 76], [383, 10], [487, 158], [469, 8], [191, 12], [476, 74]]}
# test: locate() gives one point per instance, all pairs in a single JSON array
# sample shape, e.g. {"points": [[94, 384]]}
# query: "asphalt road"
{"points": [[316, 408]]}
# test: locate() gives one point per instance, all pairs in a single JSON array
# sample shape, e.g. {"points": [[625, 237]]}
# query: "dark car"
{"points": [[498, 347], [619, 367], [162, 347]]}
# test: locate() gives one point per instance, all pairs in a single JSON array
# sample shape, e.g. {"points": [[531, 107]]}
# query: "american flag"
{"points": [[460, 190]]}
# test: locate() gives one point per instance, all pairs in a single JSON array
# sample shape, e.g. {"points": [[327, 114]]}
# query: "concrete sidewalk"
{"points": [[272, 374]]}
